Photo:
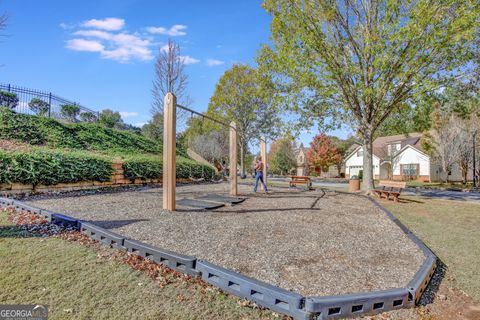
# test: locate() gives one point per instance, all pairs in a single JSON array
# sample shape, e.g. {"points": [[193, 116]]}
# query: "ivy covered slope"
{"points": [[63, 153], [42, 131]]}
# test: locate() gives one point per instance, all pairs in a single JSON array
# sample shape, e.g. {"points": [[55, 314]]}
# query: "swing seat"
{"points": [[196, 179]]}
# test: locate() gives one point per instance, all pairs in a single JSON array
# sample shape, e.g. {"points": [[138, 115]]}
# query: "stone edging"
{"points": [[264, 294]]}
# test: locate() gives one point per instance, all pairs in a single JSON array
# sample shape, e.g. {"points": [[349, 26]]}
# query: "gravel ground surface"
{"points": [[313, 243]]}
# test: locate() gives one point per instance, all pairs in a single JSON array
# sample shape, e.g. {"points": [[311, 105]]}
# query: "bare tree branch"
{"points": [[169, 76]]}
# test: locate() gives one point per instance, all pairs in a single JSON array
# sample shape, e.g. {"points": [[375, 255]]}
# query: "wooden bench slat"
{"points": [[390, 188]]}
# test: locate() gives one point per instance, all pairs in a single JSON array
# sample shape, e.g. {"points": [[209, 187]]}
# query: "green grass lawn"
{"points": [[452, 230], [78, 282]]}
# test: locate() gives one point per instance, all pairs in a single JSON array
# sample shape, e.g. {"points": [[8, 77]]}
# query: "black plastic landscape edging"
{"points": [[264, 294], [351, 305], [175, 261], [102, 235]]}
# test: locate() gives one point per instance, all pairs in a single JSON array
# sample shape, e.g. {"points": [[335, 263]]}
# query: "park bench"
{"points": [[390, 188], [301, 180]]}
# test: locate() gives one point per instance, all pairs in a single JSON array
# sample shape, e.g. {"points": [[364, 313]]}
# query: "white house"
{"points": [[399, 157]]}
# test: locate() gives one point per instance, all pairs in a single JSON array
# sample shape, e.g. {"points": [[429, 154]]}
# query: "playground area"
{"points": [[315, 243]]}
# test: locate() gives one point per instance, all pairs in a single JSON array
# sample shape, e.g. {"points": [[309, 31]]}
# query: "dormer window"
{"points": [[393, 148]]}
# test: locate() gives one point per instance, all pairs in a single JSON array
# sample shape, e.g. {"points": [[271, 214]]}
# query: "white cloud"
{"points": [[189, 60], [66, 26], [84, 45], [164, 48], [110, 24], [214, 62], [126, 114], [174, 31], [121, 47], [185, 59], [106, 37], [140, 124], [94, 34]]}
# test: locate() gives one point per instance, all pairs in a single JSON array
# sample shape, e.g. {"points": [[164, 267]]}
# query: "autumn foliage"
{"points": [[323, 153]]}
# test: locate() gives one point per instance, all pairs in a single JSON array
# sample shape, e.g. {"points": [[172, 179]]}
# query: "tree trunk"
{"points": [[464, 169], [367, 183], [444, 173]]}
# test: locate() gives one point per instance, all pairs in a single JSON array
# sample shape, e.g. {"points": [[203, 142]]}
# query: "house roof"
{"points": [[380, 144]]}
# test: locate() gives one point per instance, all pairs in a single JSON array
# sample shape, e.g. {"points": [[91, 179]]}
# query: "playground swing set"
{"points": [[169, 152]]}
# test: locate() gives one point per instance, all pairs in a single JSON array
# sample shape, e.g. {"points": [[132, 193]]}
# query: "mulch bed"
{"points": [[308, 242]]}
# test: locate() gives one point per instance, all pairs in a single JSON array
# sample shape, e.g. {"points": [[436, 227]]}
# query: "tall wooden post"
{"points": [[263, 154], [169, 151], [233, 159]]}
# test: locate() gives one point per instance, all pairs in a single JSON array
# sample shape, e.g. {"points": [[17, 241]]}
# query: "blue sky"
{"points": [[101, 53]]}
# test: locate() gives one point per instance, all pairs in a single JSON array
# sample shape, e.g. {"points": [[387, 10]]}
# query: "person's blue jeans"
{"points": [[259, 176]]}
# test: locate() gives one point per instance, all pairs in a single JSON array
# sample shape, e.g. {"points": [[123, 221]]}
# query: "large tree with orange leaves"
{"points": [[323, 153]]}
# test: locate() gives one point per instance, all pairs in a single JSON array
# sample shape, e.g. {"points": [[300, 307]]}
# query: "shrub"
{"points": [[39, 106], [109, 118], [51, 167], [88, 117], [149, 167], [8, 99], [69, 111]]}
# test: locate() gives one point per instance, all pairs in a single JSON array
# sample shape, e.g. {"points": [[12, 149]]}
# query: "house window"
{"points": [[410, 170], [393, 148], [360, 153]]}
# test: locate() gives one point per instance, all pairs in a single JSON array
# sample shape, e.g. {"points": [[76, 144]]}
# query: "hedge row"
{"points": [[37, 130], [50, 167], [148, 167]]}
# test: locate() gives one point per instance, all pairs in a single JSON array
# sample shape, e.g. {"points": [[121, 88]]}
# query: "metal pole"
{"points": [[50, 105], [474, 164]]}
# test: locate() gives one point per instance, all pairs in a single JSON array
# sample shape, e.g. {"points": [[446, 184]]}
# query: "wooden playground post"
{"points": [[233, 159], [169, 151], [263, 154]]}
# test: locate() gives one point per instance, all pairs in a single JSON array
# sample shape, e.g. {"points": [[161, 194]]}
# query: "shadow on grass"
{"points": [[403, 200], [15, 232]]}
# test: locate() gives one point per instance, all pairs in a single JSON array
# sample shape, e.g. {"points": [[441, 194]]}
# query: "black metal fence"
{"points": [[43, 103]]}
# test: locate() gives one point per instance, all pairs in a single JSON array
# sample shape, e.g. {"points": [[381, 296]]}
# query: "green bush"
{"points": [[8, 99], [70, 111], [39, 106], [88, 116], [149, 167], [86, 136], [110, 118], [49, 167]]}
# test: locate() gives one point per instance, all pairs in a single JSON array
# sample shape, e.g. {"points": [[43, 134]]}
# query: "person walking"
{"points": [[259, 175]]}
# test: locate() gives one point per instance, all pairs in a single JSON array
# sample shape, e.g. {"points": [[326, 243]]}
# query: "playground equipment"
{"points": [[169, 151]]}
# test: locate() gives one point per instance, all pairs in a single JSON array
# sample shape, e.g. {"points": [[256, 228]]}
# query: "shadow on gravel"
{"points": [[265, 210], [429, 295], [113, 224]]}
